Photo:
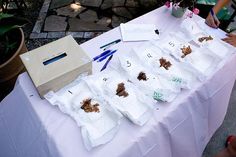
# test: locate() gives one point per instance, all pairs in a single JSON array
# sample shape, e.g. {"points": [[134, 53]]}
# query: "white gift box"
{"points": [[56, 64]]}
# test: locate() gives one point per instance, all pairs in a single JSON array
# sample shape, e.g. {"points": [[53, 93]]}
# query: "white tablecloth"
{"points": [[31, 127]]}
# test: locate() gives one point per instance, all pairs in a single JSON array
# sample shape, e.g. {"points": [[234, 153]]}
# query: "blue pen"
{"points": [[102, 54], [105, 56], [105, 65], [213, 14], [111, 43]]}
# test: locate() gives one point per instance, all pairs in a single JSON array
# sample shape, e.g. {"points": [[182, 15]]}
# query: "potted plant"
{"points": [[180, 6], [12, 44]]}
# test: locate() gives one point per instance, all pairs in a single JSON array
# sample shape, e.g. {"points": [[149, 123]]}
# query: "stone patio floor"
{"points": [[84, 18]]}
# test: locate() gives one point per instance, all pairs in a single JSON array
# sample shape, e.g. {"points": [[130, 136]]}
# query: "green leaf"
{"points": [[12, 45], [5, 16], [6, 28]]}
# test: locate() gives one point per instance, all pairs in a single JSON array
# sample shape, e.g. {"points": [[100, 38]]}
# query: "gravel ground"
{"points": [[31, 13], [34, 43]]}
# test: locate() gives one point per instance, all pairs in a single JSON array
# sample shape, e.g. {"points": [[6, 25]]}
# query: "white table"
{"points": [[31, 127]]}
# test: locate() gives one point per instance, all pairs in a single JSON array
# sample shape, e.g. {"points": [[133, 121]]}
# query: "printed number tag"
{"points": [[149, 55], [128, 63], [171, 44]]}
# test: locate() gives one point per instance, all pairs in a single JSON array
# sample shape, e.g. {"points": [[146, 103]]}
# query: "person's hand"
{"points": [[212, 21], [231, 39]]}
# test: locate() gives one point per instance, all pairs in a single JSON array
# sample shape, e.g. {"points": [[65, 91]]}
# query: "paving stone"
{"points": [[55, 23], [88, 34], [39, 23], [90, 3], [77, 25], [132, 3], [116, 21], [38, 35], [37, 27], [76, 34], [104, 21], [134, 11], [71, 10], [122, 11], [45, 6], [118, 3], [91, 34], [148, 3], [59, 3], [89, 15], [107, 4], [98, 33], [56, 34], [47, 1], [42, 16], [88, 26]]}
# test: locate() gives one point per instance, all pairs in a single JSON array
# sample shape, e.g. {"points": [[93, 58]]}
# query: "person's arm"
{"points": [[220, 4], [232, 147], [212, 21], [231, 39]]}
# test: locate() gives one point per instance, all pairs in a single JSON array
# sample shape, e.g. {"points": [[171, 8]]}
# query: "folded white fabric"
{"points": [[216, 33], [138, 32], [200, 62], [220, 48], [146, 80], [133, 104], [190, 27], [178, 74], [98, 123], [202, 39], [170, 43], [203, 60], [197, 31]]}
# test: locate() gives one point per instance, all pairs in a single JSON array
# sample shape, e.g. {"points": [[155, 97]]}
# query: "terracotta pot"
{"points": [[10, 69]]}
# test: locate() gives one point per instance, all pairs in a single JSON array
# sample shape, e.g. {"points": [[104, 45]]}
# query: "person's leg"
{"points": [[232, 146], [223, 153], [230, 151]]}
